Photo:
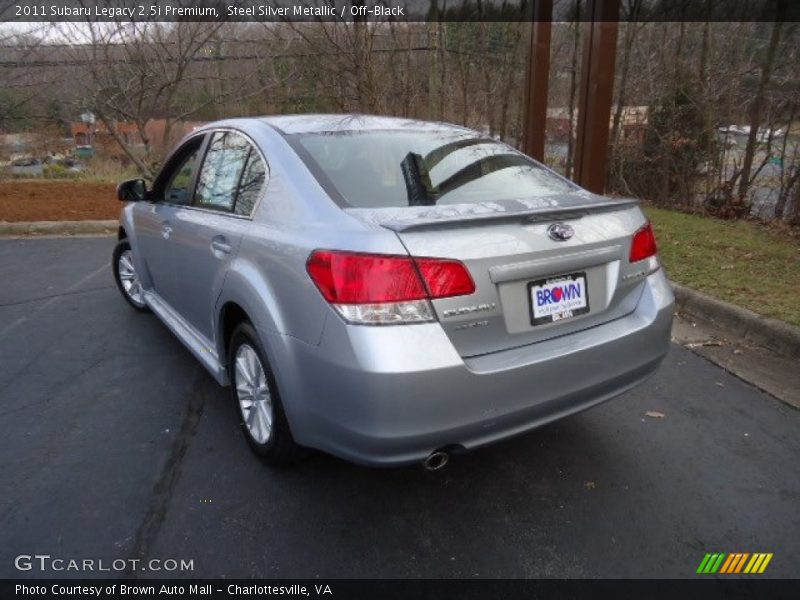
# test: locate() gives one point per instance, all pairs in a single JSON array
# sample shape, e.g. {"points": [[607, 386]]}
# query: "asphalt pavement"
{"points": [[116, 444]]}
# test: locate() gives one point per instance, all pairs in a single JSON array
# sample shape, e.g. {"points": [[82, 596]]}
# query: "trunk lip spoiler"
{"points": [[537, 215]]}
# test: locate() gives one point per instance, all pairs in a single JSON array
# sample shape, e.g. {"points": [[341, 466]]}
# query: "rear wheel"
{"points": [[128, 282], [256, 394]]}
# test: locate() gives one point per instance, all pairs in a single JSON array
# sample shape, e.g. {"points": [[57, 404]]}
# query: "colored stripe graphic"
{"points": [[740, 564], [713, 563], [764, 564], [703, 563], [712, 558], [734, 563], [727, 564], [718, 564], [731, 564], [754, 563]]}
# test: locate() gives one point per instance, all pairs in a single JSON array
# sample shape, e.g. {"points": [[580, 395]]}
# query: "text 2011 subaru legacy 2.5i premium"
{"points": [[391, 291]]}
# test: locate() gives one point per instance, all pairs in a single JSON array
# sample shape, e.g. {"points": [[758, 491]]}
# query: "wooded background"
{"points": [[705, 114]]}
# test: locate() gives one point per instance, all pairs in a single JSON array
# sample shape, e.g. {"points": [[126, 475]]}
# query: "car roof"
{"points": [[324, 123]]}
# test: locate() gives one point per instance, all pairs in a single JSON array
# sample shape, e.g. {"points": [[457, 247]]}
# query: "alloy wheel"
{"points": [[252, 390], [129, 278]]}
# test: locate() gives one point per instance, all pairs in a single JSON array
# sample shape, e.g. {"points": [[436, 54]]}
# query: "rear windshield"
{"points": [[375, 169]]}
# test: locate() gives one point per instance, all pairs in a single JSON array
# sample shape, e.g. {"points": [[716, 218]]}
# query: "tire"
{"points": [[263, 423], [128, 282]]}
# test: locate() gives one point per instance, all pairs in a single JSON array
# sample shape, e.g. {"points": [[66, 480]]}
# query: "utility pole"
{"points": [[537, 80]]}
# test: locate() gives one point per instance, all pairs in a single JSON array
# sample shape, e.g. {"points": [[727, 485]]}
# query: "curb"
{"points": [[59, 227], [780, 337]]}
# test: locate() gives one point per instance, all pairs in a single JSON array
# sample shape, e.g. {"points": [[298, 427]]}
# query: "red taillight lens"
{"points": [[353, 278], [445, 278], [349, 278], [643, 245]]}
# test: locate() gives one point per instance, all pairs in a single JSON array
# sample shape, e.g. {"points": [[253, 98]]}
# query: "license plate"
{"points": [[558, 298]]}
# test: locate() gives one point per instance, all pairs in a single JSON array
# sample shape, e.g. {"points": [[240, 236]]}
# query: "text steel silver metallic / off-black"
{"points": [[391, 291]]}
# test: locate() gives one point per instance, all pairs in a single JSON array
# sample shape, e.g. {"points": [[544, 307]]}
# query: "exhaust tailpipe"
{"points": [[437, 459]]}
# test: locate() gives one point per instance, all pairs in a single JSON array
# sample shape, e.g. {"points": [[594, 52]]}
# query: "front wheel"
{"points": [[128, 282], [256, 394]]}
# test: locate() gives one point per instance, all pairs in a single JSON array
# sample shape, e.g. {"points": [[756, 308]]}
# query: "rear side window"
{"points": [[223, 164], [250, 184], [396, 168]]}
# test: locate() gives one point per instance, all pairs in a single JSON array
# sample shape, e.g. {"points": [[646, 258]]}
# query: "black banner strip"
{"points": [[705, 588], [268, 11]]}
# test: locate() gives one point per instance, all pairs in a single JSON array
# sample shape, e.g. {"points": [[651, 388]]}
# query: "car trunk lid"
{"points": [[511, 257]]}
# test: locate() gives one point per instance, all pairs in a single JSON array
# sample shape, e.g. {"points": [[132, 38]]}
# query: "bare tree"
{"points": [[19, 86], [758, 102], [137, 72]]}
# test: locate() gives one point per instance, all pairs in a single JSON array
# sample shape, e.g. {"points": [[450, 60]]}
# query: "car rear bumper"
{"points": [[392, 395]]}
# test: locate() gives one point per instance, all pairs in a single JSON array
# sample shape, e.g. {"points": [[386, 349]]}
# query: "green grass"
{"points": [[742, 262]]}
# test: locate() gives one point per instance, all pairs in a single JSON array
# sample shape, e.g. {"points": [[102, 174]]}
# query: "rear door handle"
{"points": [[220, 246]]}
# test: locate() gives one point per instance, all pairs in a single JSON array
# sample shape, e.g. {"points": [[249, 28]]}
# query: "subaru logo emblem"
{"points": [[560, 232]]}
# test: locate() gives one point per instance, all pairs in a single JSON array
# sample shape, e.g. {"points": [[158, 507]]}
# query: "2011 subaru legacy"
{"points": [[391, 291]]}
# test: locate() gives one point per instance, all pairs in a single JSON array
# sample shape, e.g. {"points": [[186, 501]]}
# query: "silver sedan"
{"points": [[391, 291]]}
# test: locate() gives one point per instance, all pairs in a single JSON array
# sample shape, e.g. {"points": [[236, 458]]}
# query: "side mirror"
{"points": [[133, 190]]}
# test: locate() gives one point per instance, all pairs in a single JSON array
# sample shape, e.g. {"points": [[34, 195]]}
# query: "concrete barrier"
{"points": [[59, 227], [738, 322]]}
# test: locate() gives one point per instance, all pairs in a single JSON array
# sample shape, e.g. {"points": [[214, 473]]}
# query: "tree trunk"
{"points": [[786, 185], [573, 88], [794, 217], [630, 37], [433, 68], [622, 89], [143, 167], [442, 46], [758, 101]]}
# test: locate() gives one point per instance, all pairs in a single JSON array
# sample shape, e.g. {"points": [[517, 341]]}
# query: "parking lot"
{"points": [[117, 444]]}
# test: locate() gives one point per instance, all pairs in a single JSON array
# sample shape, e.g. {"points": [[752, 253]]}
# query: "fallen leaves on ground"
{"points": [[705, 343]]}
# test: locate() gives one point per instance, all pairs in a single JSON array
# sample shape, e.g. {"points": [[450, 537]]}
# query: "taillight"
{"points": [[383, 289], [445, 278], [643, 244]]}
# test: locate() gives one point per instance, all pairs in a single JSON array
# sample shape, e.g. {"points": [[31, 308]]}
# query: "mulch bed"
{"points": [[57, 201]]}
